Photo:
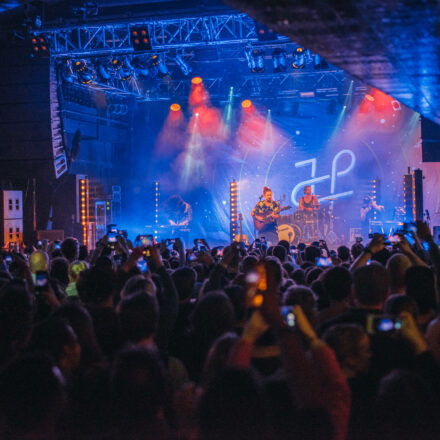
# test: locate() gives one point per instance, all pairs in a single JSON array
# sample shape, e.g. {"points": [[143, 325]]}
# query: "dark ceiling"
{"points": [[390, 44]]}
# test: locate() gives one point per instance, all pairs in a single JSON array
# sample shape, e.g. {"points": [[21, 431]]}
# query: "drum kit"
{"points": [[307, 226]]}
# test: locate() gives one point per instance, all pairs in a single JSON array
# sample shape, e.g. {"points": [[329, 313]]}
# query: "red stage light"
{"points": [[247, 103], [369, 97], [196, 80], [175, 107]]}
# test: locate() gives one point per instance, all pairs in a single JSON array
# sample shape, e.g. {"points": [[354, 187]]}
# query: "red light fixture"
{"points": [[247, 103], [175, 107], [196, 80]]}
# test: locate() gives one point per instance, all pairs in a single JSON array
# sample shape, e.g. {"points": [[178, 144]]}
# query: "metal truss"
{"points": [[293, 85], [178, 33]]}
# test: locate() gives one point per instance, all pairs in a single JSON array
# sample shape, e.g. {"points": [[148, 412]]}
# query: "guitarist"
{"points": [[264, 214]]}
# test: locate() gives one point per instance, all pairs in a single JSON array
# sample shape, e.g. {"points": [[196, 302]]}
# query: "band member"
{"points": [[178, 212], [265, 214], [308, 202], [368, 206]]}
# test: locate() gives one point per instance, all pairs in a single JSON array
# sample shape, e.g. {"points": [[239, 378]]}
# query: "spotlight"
{"points": [[126, 70], [102, 71], [279, 60], [141, 67], [264, 33], [299, 59], [247, 103], [66, 72], [319, 63], [40, 46], [117, 63], [140, 38], [256, 61], [184, 66], [196, 80], [158, 67], [175, 107], [85, 74], [370, 98]]}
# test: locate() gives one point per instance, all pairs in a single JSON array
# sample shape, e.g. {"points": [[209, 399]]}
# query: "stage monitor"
{"points": [[430, 141]]}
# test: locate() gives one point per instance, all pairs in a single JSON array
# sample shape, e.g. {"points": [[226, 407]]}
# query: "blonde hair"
{"points": [[75, 268]]}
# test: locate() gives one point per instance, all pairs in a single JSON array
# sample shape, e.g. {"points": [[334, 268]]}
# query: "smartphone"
{"points": [[112, 237], [147, 240], [410, 239], [323, 262], [392, 239], [41, 280], [294, 251], [425, 246], [8, 258], [142, 265], [219, 252], [200, 245], [288, 316], [191, 258], [411, 227], [112, 228], [322, 243], [383, 323], [254, 297], [359, 239]]}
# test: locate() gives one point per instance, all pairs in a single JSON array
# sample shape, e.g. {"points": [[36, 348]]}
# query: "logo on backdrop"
{"points": [[335, 174]]}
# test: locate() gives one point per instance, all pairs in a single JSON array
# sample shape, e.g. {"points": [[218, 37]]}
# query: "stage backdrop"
{"points": [[339, 147]]}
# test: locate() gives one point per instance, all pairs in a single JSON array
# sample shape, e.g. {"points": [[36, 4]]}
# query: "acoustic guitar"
{"points": [[262, 220], [241, 237]]}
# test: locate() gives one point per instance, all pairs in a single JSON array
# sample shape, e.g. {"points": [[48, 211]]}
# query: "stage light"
{"points": [[66, 72], [264, 33], [184, 66], [158, 67], [140, 38], [126, 72], [233, 209], [299, 59], [40, 46], [117, 63], [85, 74], [141, 67], [256, 61], [175, 107], [247, 103], [370, 98], [196, 80], [279, 60], [102, 71]]}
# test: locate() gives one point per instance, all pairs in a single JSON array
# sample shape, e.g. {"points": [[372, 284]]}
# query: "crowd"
{"points": [[241, 342]]}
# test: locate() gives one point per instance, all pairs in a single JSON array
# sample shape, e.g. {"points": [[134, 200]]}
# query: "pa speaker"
{"points": [[430, 141]]}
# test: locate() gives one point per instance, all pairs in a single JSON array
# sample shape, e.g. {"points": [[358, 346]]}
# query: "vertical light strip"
{"points": [[156, 207], [233, 199], [84, 208]]}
